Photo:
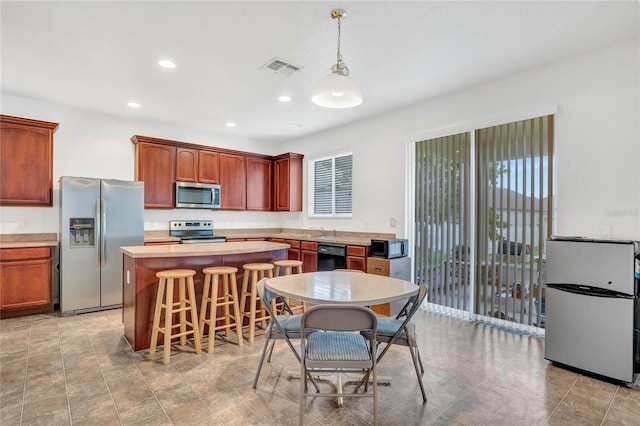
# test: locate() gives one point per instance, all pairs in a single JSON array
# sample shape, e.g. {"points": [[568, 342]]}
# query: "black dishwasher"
{"points": [[332, 256]]}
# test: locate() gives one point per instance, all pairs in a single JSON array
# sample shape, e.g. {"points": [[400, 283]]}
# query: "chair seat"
{"points": [[337, 346], [388, 327], [289, 323]]}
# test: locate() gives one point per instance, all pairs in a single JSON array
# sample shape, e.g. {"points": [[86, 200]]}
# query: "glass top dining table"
{"points": [[341, 287]]}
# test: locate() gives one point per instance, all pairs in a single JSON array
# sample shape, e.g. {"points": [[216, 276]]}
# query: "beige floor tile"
{"points": [[81, 370]]}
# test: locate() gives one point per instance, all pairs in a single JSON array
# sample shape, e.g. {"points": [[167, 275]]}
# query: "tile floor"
{"points": [[80, 370]]}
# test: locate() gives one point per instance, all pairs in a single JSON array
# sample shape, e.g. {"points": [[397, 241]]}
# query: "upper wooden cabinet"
{"points": [[259, 184], [233, 182], [194, 165], [155, 165], [186, 165], [248, 181], [26, 162], [208, 167], [288, 182]]}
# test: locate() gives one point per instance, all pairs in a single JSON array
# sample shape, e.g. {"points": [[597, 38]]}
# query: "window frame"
{"points": [[312, 188]]}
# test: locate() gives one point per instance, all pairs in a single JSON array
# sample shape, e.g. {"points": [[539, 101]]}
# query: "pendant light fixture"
{"points": [[337, 90]]}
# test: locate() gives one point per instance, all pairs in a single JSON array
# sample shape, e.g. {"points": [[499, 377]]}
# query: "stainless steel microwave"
{"points": [[192, 195], [389, 249]]}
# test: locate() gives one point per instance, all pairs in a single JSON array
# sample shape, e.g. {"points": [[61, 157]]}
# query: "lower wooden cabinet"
{"points": [[395, 268], [293, 253], [26, 281], [309, 256], [357, 257]]}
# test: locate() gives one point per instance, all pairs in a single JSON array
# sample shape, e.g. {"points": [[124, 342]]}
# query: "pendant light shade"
{"points": [[337, 90]]}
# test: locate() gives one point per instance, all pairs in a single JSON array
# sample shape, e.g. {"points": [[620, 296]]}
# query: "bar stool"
{"points": [[164, 300], [287, 267], [254, 272], [228, 299]]}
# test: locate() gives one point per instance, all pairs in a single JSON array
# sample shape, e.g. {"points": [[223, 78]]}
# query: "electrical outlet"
{"points": [[602, 231], [27, 223], [392, 222]]}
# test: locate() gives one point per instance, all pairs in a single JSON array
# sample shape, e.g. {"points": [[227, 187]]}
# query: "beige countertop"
{"points": [[28, 240], [328, 236], [206, 249]]}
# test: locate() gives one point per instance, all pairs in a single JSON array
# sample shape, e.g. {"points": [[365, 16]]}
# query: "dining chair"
{"points": [[281, 327], [335, 343], [402, 331]]}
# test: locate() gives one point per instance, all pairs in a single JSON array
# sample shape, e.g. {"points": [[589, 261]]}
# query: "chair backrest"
{"points": [[414, 302], [267, 296], [339, 318]]}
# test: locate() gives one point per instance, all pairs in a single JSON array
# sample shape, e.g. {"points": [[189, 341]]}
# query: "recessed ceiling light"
{"points": [[231, 124], [284, 98], [165, 63], [134, 104]]}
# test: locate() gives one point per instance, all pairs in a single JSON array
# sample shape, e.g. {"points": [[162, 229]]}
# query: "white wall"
{"points": [[597, 148], [597, 141], [92, 144]]}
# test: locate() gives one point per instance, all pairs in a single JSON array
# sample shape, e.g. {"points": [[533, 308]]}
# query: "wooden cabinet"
{"points": [[194, 165], [309, 256], [26, 162], [293, 253], [288, 182], [186, 165], [357, 257], [233, 182], [208, 167], [259, 184], [26, 281], [155, 165], [399, 268], [248, 181]]}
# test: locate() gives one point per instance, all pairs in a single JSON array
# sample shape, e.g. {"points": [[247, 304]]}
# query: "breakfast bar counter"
{"points": [[141, 263]]}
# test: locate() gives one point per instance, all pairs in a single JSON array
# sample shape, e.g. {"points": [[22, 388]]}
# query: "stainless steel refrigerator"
{"points": [[97, 217], [591, 305]]}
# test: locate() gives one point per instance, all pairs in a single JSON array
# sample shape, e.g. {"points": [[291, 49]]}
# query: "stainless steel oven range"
{"points": [[194, 231]]}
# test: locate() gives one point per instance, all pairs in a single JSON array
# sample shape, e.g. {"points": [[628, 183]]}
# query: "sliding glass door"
{"points": [[486, 259]]}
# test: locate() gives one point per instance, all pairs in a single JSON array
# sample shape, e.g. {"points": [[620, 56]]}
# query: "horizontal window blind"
{"points": [[330, 186]]}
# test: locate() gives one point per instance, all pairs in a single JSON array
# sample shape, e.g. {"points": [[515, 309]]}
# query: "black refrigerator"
{"points": [[592, 305]]}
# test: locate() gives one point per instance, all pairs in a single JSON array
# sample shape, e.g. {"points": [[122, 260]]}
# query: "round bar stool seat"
{"points": [[254, 272], [184, 304], [288, 267], [228, 301]]}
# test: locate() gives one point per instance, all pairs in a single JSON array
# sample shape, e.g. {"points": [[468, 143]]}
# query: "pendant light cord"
{"points": [[341, 67]]}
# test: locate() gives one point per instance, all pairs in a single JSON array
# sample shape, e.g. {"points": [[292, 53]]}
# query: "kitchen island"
{"points": [[141, 263]]}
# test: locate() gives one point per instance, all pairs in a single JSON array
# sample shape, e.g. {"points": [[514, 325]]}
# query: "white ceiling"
{"points": [[101, 55]]}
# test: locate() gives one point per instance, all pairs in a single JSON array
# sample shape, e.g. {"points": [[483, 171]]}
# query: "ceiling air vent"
{"points": [[281, 67]]}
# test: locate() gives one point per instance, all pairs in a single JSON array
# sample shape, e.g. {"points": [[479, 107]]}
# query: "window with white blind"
{"points": [[330, 184]]}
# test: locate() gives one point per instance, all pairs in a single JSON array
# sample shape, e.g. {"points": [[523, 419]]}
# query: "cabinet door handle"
{"points": [[378, 269]]}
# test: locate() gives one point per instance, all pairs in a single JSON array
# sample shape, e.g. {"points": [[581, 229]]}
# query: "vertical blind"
{"points": [[441, 213], [514, 164], [501, 278]]}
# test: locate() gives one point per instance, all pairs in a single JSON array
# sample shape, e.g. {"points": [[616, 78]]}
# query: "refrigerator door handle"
{"points": [[103, 240], [98, 231]]}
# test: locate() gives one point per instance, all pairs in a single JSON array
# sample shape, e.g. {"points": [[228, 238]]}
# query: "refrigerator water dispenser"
{"points": [[81, 232]]}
